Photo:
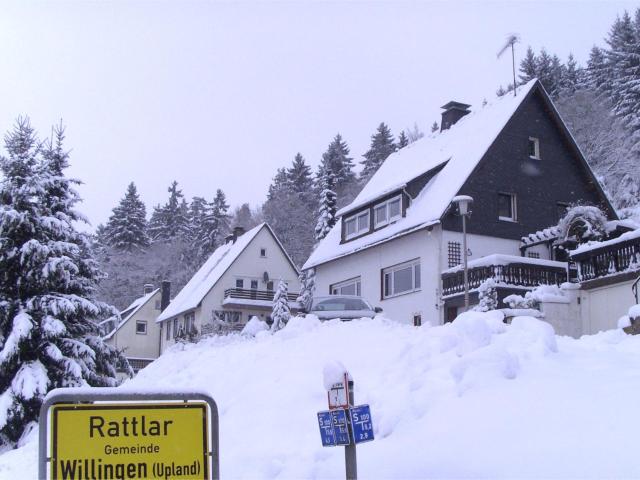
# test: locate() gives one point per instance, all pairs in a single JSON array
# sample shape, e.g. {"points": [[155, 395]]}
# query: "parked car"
{"points": [[345, 307]]}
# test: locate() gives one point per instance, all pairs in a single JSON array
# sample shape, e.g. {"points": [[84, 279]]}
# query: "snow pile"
{"points": [[475, 398], [254, 327]]}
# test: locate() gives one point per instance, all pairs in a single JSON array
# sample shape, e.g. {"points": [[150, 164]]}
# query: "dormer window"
{"points": [[534, 148], [356, 225], [387, 212]]}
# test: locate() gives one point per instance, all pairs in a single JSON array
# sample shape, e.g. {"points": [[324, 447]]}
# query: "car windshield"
{"points": [[339, 303]]}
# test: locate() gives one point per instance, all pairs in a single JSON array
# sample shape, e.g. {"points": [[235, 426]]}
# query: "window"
{"points": [[239, 283], [455, 254], [175, 327], [348, 287], [167, 326], [400, 279], [507, 207], [533, 255], [417, 319], [386, 212], [270, 286], [141, 327], [189, 322], [356, 225], [158, 305], [534, 148], [263, 252], [254, 284]]}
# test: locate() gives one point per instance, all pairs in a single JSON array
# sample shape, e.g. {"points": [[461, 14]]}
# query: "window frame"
{"points": [[395, 268], [388, 218], [141, 322], [263, 252], [240, 283], [355, 280], [252, 282], [356, 217], [514, 207], [536, 148]]}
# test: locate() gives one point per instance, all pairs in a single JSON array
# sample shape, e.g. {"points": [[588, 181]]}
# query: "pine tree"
{"points": [[281, 311], [47, 339], [171, 221], [571, 80], [528, 67], [307, 288], [279, 184], [300, 181], [403, 141], [545, 70], [328, 208], [127, 226], [382, 145], [337, 161], [596, 77], [435, 127], [214, 225]]}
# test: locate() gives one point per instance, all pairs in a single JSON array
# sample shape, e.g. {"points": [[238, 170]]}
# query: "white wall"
{"points": [[368, 265], [138, 345], [603, 306], [479, 246], [249, 264]]}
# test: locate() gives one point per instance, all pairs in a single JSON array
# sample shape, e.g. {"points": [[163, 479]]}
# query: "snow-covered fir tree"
{"points": [[171, 221], [382, 145], [213, 226], [299, 177], [281, 312], [127, 226], [47, 336], [487, 296], [403, 140], [307, 280], [435, 127], [337, 161], [328, 208], [528, 66]]}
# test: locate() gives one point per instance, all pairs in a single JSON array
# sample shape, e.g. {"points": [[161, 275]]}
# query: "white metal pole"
{"points": [[466, 274]]}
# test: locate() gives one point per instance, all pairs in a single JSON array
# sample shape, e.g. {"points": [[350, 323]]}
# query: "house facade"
{"points": [[399, 243], [236, 283], [136, 332]]}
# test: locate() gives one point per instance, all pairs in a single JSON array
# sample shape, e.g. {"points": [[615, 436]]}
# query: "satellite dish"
{"points": [[265, 277]]}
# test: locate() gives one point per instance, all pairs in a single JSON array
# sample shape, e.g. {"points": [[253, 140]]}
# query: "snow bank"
{"points": [[254, 326], [475, 398]]}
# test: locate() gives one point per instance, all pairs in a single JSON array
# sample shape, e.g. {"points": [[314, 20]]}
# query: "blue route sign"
{"points": [[361, 424], [340, 426], [327, 433]]}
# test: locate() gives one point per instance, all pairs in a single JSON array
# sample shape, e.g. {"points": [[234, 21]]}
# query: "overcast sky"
{"points": [[219, 95]]}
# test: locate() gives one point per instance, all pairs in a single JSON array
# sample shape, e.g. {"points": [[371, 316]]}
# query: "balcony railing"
{"points": [[508, 271], [251, 294], [610, 258]]}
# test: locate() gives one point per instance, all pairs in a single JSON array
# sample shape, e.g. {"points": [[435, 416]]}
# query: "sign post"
{"points": [[350, 457], [345, 423], [111, 433]]}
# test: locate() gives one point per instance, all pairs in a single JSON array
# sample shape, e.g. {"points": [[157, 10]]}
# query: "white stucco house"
{"points": [[236, 283], [136, 332], [399, 243]]}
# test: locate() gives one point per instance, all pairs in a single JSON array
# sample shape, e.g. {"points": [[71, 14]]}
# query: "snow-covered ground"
{"points": [[472, 399]]}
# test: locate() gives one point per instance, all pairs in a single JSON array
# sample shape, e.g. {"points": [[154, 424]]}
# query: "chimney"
{"points": [[165, 295], [148, 288], [453, 111], [237, 232]]}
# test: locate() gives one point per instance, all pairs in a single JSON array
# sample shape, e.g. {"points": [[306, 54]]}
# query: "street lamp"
{"points": [[463, 202]]}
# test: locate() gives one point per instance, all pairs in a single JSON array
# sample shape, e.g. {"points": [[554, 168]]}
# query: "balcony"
{"points": [[244, 297], [507, 271], [609, 258]]}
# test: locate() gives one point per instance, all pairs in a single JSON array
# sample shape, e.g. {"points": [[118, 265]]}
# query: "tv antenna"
{"points": [[512, 39]]}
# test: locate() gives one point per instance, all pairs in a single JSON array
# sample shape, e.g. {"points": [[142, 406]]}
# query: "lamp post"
{"points": [[463, 202]]}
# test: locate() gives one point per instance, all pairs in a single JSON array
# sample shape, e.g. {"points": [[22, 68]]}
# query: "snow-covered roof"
{"points": [[540, 236], [212, 270], [459, 149], [129, 312]]}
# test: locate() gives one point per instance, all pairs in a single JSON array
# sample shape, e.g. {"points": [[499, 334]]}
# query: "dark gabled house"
{"points": [[399, 243]]}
